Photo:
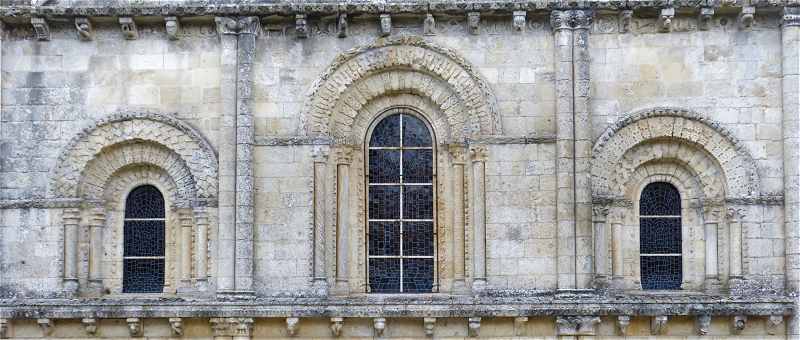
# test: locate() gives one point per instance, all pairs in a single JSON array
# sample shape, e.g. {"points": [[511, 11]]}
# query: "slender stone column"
{"points": [[601, 273], [344, 156], [320, 218], [616, 220], [560, 21], [790, 39], [185, 217], [479, 155], [459, 228], [97, 221], [735, 217], [712, 216], [201, 247], [71, 218], [582, 22]]}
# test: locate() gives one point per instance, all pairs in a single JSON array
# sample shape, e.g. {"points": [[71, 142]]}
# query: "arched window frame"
{"points": [[681, 218], [162, 219], [434, 160]]}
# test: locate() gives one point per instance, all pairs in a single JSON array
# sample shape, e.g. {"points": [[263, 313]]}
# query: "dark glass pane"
{"points": [[660, 198], [143, 276], [417, 275], [660, 235], [384, 238], [384, 166], [417, 166], [384, 275], [384, 202], [661, 272], [418, 239], [417, 202], [144, 238], [387, 132], [415, 132], [144, 202]]}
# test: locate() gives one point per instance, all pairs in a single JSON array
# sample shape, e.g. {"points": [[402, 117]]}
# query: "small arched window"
{"points": [[401, 232], [660, 236], [143, 253]]}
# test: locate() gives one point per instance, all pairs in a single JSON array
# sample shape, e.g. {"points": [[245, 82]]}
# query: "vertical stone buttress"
{"points": [[790, 38], [238, 38], [573, 148]]}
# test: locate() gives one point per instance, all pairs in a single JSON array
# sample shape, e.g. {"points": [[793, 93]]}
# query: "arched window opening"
{"points": [[401, 231], [143, 253], [660, 236]]}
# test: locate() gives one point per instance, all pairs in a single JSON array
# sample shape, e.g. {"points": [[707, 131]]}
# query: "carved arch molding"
{"points": [[721, 162], [400, 65]]}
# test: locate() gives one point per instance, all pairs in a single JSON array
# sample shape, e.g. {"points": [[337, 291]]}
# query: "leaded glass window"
{"points": [[143, 250], [660, 236], [401, 231]]}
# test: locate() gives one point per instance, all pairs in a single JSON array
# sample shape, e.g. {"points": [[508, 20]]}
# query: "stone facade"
{"points": [[549, 119]]}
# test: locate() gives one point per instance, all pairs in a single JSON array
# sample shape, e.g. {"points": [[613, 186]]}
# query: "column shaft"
{"points": [[584, 257], [459, 262], [96, 224], [201, 247], [320, 275], [479, 154], [344, 157], [186, 248], [71, 219]]}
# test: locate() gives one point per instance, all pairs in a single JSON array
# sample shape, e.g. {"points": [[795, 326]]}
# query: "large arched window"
{"points": [[143, 253], [401, 231], [660, 236]]}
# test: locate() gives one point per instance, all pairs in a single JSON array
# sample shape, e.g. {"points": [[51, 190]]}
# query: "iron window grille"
{"points": [[660, 227], [144, 233]]}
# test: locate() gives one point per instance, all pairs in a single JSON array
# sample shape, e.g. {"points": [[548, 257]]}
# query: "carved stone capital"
{"points": [[429, 324], [703, 324], [739, 322], [379, 324], [560, 20], [429, 25], [343, 154], [386, 25], [479, 153], [85, 28], [46, 325], [576, 325], [176, 326], [665, 19], [292, 326], [173, 26], [341, 25], [582, 18], [772, 324], [457, 152], [128, 27], [713, 213], [320, 153], [519, 20], [474, 22], [237, 25], [3, 328], [746, 17], [336, 326], [89, 326], [474, 327], [623, 321], [735, 214], [705, 17], [41, 28], [625, 18], [791, 16], [600, 213], [134, 327], [301, 26], [658, 324]]}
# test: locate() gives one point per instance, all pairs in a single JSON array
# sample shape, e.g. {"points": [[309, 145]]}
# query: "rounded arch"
{"points": [[158, 130], [405, 64], [702, 144]]}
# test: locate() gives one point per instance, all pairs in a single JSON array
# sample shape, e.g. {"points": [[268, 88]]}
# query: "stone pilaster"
{"points": [[479, 155], [344, 157], [71, 218], [790, 39], [320, 219], [459, 226]]}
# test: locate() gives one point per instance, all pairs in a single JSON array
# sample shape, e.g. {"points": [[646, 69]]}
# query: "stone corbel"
{"points": [[772, 324], [518, 21], [429, 25], [128, 26], [301, 26], [665, 19], [739, 323], [473, 22], [429, 324], [336, 326], [341, 25], [791, 16], [623, 321], [176, 326], [85, 28], [3, 328], [41, 29], [173, 26], [746, 17], [90, 326], [625, 18], [703, 324], [379, 324], [134, 327], [519, 325], [46, 325], [576, 325], [704, 19], [386, 25], [292, 326], [243, 327], [474, 327], [658, 324]]}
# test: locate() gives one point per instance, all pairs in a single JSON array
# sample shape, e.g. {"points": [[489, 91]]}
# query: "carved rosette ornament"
{"points": [[705, 17], [173, 26], [85, 28], [41, 29]]}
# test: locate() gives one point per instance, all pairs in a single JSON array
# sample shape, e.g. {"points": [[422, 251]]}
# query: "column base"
{"points": [[601, 282], [341, 288], [71, 288], [94, 288], [479, 286], [236, 295], [460, 287], [735, 285], [201, 285], [712, 285], [617, 284], [320, 286]]}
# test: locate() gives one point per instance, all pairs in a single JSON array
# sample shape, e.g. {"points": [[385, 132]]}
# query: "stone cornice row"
{"points": [[102, 8]]}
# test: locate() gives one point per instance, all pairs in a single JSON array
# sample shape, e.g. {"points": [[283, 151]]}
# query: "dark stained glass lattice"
{"points": [[660, 237], [401, 232], [144, 240]]}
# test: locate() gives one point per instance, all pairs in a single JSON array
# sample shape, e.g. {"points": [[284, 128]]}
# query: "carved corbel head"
{"points": [[739, 323], [474, 327], [473, 22], [292, 326], [90, 326], [658, 324], [625, 18], [173, 26], [341, 25], [3, 328], [41, 29], [519, 325], [429, 324], [623, 321], [519, 21], [134, 327], [705, 17], [703, 324], [176, 326], [85, 29], [336, 326], [429, 25], [128, 26], [46, 325], [772, 324], [301, 26], [379, 324], [665, 19], [746, 17], [386, 25]]}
